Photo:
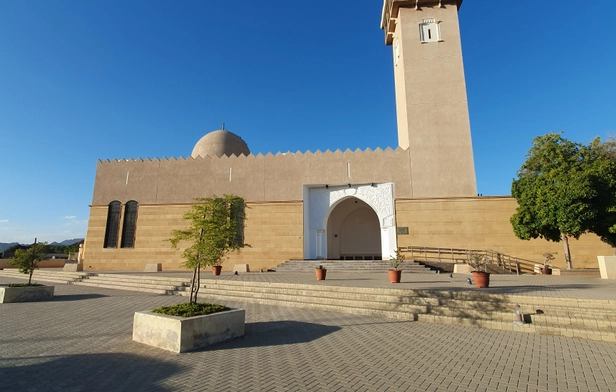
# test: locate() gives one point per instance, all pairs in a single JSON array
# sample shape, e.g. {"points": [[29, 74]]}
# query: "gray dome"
{"points": [[219, 143]]}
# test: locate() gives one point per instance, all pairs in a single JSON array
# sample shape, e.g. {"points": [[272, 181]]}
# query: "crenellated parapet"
{"points": [[296, 155], [269, 177]]}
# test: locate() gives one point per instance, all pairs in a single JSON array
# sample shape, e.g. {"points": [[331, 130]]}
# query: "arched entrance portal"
{"points": [[353, 231], [321, 202]]}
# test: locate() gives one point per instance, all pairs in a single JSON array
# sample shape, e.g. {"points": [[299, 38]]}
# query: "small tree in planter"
{"points": [[27, 260], [216, 228]]}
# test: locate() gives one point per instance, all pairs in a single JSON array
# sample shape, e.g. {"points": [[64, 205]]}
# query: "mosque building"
{"points": [[342, 205]]}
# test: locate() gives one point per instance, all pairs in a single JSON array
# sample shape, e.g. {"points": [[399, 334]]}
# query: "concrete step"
{"points": [[311, 305], [559, 306], [118, 287], [349, 302], [586, 333], [348, 266], [331, 293], [476, 314], [42, 272], [126, 283], [142, 278], [45, 276], [604, 315], [586, 322], [534, 319], [227, 283], [126, 279]]}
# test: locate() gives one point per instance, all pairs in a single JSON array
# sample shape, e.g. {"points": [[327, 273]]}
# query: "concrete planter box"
{"points": [[25, 294], [72, 266], [607, 266], [180, 334]]}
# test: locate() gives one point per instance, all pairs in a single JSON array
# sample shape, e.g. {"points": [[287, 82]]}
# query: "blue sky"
{"points": [[88, 80]]}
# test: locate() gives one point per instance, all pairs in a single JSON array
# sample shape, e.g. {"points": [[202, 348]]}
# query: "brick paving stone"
{"points": [[81, 341]]}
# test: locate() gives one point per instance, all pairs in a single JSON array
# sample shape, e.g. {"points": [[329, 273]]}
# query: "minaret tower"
{"points": [[431, 103]]}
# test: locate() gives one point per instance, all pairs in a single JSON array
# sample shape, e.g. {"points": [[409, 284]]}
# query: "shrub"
{"points": [[190, 309]]}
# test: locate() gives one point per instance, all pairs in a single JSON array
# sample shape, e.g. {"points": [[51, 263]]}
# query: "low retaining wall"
{"points": [[50, 263]]}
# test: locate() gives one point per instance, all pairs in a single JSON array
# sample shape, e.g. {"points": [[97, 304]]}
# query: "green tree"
{"points": [[27, 259], [558, 191], [216, 226], [603, 157]]}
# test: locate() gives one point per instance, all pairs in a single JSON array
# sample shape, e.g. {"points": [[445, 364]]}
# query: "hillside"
{"points": [[6, 245]]}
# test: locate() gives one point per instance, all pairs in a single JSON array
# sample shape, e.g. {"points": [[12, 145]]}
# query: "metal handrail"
{"points": [[459, 255]]}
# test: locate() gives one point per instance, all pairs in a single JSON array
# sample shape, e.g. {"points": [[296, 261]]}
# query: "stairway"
{"points": [[388, 303], [349, 266], [131, 282], [584, 318], [568, 317], [145, 283], [53, 276]]}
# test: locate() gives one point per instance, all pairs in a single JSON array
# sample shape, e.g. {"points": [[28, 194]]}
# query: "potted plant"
{"points": [[547, 269], [478, 261], [27, 261], [394, 262], [321, 272], [216, 225]]}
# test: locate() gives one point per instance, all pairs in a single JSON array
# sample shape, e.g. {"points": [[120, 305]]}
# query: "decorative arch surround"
{"points": [[320, 200], [112, 229], [129, 226]]}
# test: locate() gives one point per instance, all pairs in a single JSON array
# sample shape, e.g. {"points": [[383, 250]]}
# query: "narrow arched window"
{"points": [[113, 225], [238, 215], [130, 224]]}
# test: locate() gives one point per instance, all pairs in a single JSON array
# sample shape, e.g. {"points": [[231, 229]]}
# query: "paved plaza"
{"points": [[81, 341]]}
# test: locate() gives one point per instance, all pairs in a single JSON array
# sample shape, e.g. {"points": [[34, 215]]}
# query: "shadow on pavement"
{"points": [[86, 372], [276, 333]]}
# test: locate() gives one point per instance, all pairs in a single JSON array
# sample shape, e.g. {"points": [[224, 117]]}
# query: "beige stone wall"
{"points": [[49, 263], [483, 223], [255, 178], [274, 231]]}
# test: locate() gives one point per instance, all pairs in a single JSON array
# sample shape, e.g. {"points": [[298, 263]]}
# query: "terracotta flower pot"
{"points": [[394, 275], [321, 273], [216, 270], [546, 271], [481, 279]]}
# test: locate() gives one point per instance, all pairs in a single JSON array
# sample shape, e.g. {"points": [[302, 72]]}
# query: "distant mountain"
{"points": [[68, 242], [5, 245]]}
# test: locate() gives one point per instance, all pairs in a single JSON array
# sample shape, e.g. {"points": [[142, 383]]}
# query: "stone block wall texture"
{"points": [[483, 223], [274, 232], [49, 263], [255, 178]]}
